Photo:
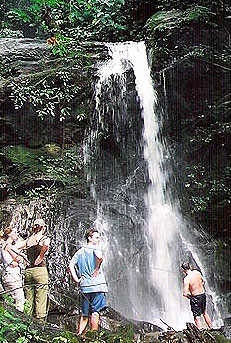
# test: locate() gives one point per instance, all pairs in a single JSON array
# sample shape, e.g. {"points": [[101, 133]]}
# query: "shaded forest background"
{"points": [[49, 50], [184, 38]]}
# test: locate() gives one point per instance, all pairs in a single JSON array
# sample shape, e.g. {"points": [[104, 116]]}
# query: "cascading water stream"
{"points": [[153, 282], [163, 220]]}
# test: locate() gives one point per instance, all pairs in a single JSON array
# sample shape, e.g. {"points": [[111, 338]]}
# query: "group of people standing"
{"points": [[32, 284], [85, 269], [28, 256]]}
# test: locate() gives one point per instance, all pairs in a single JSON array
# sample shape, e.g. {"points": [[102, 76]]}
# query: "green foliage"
{"points": [[63, 168], [215, 5], [5, 32], [208, 54], [204, 187], [169, 20], [219, 338], [178, 35], [61, 46], [207, 134], [14, 329], [32, 12], [57, 171], [51, 95], [26, 306], [19, 15], [94, 19], [21, 156], [68, 47], [65, 337], [91, 19], [111, 20]]}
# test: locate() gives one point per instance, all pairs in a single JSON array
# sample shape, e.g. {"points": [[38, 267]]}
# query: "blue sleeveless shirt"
{"points": [[85, 260]]}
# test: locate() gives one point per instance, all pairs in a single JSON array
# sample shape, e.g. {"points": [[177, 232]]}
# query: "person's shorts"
{"points": [[198, 304], [92, 302]]}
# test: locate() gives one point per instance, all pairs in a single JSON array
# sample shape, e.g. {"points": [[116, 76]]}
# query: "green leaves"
{"points": [[55, 169], [167, 20], [13, 329], [91, 19], [204, 187], [19, 15], [51, 96]]}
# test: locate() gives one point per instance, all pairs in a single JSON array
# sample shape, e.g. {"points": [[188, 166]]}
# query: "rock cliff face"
{"points": [[191, 64], [41, 157], [43, 170], [45, 104]]}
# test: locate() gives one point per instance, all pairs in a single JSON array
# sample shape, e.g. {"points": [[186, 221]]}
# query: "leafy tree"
{"points": [[91, 19]]}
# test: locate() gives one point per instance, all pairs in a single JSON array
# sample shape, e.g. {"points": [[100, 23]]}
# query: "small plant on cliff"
{"points": [[59, 45], [64, 46]]}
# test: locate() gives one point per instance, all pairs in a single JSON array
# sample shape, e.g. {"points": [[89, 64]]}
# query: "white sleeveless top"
{"points": [[7, 259]]}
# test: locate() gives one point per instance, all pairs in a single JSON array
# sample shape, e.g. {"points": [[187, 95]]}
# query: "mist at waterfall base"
{"points": [[127, 163]]}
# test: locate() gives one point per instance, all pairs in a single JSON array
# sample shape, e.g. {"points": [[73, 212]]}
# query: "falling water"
{"points": [[163, 220], [152, 288]]}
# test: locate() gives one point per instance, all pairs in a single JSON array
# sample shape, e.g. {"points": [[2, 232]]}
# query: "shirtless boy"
{"points": [[194, 290]]}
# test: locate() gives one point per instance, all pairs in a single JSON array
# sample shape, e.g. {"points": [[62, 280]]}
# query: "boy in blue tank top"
{"points": [[87, 262]]}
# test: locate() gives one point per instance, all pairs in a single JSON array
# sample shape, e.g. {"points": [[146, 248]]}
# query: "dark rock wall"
{"points": [[41, 143], [41, 158], [193, 79]]}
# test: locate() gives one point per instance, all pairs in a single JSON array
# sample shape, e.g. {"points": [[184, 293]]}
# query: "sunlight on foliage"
{"points": [[167, 20], [91, 19], [50, 96]]}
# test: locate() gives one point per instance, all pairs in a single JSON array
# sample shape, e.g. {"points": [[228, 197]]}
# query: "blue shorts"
{"points": [[92, 302]]}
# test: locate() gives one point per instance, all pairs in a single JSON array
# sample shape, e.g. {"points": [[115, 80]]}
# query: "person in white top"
{"points": [[12, 275]]}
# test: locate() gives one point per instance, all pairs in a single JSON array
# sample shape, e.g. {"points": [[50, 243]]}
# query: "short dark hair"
{"points": [[89, 233], [186, 266]]}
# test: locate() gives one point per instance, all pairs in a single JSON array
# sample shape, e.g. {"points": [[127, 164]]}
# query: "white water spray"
{"points": [[164, 226]]}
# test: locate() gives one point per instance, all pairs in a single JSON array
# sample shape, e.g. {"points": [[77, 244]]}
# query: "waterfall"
{"points": [[128, 159], [163, 220]]}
